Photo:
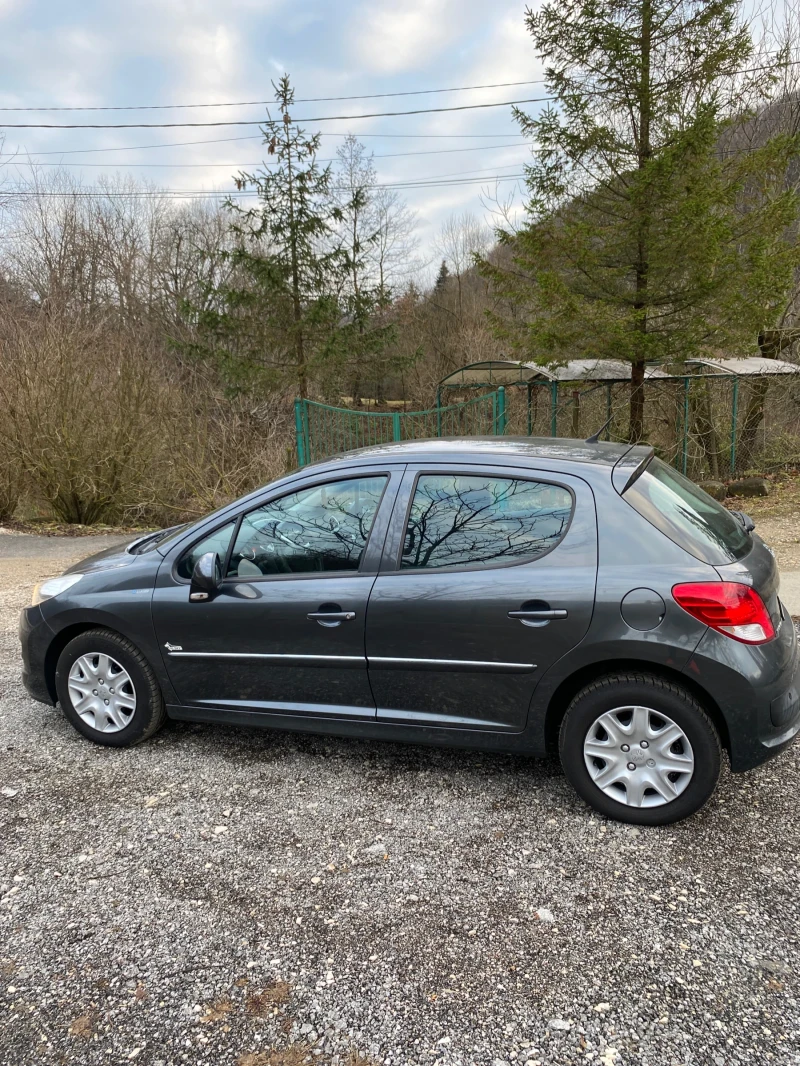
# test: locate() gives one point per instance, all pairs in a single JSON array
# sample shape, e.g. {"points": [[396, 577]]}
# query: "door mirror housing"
{"points": [[206, 577]]}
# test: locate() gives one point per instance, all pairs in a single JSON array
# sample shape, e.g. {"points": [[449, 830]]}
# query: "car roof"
{"points": [[504, 449]]}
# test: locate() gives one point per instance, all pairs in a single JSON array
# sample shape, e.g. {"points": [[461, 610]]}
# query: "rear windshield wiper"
{"points": [[746, 520]]}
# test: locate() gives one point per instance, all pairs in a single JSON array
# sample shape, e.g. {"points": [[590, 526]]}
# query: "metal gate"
{"points": [[323, 430]]}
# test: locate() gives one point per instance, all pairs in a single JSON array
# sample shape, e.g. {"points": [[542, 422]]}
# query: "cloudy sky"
{"points": [[93, 53]]}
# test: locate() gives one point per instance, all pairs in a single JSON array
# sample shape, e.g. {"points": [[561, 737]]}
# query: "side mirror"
{"points": [[206, 577]]}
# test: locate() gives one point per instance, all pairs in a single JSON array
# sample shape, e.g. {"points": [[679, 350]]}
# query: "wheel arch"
{"points": [[571, 686]]}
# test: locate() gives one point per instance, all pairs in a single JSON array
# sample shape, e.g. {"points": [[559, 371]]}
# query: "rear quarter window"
{"points": [[687, 515]]}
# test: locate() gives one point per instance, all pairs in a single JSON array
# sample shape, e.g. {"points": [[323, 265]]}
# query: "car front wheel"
{"points": [[107, 689], [640, 749]]}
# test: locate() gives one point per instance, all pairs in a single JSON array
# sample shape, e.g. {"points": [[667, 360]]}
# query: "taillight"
{"points": [[729, 607]]}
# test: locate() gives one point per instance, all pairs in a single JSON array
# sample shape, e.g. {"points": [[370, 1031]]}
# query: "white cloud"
{"points": [[9, 7], [185, 51], [393, 37]]}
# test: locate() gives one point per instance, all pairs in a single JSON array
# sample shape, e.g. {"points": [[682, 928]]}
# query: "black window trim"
{"points": [[501, 472], [230, 520], [310, 483]]}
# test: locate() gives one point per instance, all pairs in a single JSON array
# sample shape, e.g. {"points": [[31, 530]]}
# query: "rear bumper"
{"points": [[35, 637], [757, 689]]}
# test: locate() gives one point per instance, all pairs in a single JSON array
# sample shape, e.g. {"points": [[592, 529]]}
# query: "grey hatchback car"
{"points": [[509, 594]]}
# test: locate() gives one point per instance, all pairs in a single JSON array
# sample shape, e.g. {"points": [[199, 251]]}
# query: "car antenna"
{"points": [[595, 437]]}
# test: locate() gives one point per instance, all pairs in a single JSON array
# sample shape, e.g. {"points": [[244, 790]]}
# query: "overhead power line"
{"points": [[257, 163], [259, 122], [321, 99], [303, 100], [230, 140], [316, 99], [205, 193]]}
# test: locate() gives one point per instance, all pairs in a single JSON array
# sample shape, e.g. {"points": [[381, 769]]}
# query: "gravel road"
{"points": [[223, 897]]}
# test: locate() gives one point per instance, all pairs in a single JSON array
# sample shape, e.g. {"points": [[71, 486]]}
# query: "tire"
{"points": [[135, 708], [684, 772]]}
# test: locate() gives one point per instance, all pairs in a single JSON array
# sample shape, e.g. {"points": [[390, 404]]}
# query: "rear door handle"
{"points": [[537, 615]]}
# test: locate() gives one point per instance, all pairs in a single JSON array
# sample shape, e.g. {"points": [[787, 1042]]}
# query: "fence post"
{"points": [[438, 412], [734, 420], [530, 421], [500, 423], [396, 426], [553, 408], [298, 430], [609, 411], [685, 449]]}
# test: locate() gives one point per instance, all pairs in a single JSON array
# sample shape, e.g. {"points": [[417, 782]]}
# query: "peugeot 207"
{"points": [[509, 594]]}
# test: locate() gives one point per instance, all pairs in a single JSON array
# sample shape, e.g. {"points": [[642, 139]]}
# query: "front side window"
{"points": [[217, 542], [477, 520], [319, 529]]}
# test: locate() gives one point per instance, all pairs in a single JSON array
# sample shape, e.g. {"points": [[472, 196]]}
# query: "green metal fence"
{"points": [[323, 430]]}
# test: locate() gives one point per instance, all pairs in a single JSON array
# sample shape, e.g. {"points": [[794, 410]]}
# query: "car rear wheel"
{"points": [[108, 690], [640, 749]]}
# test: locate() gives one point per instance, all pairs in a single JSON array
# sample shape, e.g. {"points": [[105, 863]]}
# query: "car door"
{"points": [[488, 578], [285, 631]]}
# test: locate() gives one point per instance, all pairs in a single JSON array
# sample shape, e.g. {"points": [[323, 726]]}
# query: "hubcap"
{"points": [[102, 692], [638, 756]]}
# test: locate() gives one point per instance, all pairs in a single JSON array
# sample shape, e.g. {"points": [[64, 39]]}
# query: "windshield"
{"points": [[687, 515]]}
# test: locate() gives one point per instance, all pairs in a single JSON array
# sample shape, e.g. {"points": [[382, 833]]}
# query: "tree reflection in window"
{"points": [[315, 530], [473, 520]]}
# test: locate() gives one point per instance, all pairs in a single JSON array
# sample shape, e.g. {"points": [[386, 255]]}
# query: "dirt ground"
{"points": [[777, 519]]}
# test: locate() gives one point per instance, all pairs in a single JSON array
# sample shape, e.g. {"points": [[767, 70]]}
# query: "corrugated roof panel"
{"points": [[508, 372], [489, 372], [601, 370], [747, 366]]}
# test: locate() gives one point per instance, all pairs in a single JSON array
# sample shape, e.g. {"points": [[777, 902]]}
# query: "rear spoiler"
{"points": [[630, 466]]}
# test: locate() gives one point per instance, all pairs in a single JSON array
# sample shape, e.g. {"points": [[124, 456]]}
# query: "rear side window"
{"points": [[471, 520], [687, 515]]}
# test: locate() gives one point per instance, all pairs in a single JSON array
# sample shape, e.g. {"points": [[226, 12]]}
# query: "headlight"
{"points": [[54, 586]]}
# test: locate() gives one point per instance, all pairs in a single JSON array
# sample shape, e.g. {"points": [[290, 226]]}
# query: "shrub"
{"points": [[103, 425]]}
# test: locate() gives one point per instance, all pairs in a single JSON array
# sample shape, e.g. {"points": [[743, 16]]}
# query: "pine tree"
{"points": [[649, 236], [442, 277], [359, 345], [271, 323]]}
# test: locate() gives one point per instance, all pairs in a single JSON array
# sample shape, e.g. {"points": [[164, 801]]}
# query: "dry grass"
{"points": [[216, 1011], [294, 1055], [81, 1027], [297, 1055], [263, 1003]]}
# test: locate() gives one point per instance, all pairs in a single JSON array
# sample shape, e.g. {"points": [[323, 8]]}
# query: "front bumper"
{"points": [[757, 689], [35, 636]]}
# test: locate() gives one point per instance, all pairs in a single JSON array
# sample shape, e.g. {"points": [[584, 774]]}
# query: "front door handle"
{"points": [[330, 615]]}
